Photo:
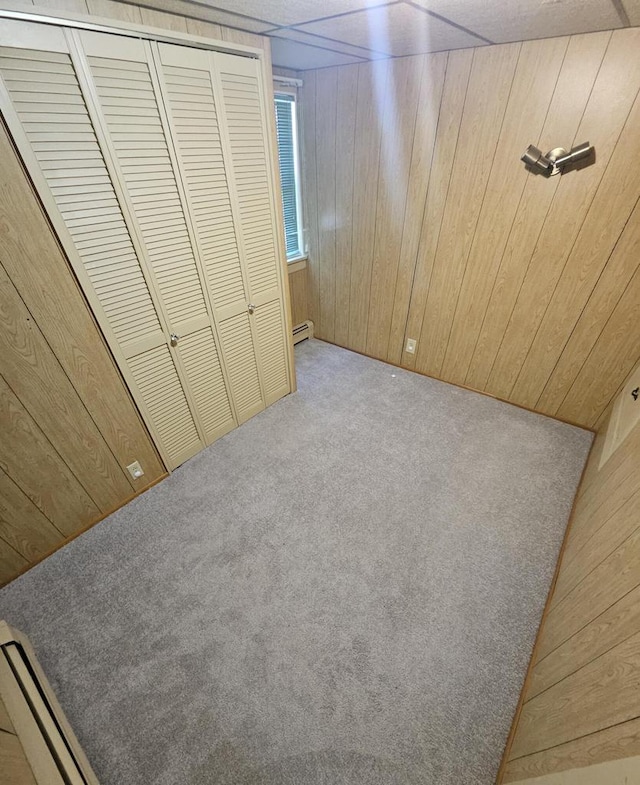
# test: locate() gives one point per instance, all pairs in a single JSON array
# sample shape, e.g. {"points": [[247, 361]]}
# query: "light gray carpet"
{"points": [[345, 590]]}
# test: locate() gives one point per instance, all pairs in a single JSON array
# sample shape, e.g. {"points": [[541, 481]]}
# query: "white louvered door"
{"points": [[187, 85], [165, 212], [244, 132], [43, 102]]}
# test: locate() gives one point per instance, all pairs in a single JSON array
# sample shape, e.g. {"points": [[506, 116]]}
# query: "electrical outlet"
{"points": [[135, 470], [411, 346]]}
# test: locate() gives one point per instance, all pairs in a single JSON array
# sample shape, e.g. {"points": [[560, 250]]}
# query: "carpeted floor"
{"points": [[343, 591]]}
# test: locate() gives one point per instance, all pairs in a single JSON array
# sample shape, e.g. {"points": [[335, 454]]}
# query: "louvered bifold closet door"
{"points": [[187, 85], [46, 109], [243, 119], [121, 78]]}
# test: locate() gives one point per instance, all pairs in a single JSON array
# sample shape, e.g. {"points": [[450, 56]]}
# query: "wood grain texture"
{"points": [[532, 91], [164, 20], [490, 84], [427, 116], [616, 575], [34, 374], [582, 703], [606, 631], [22, 525], [603, 226], [583, 688], [612, 284], [611, 534], [42, 276], [11, 563], [579, 69], [307, 116], [299, 296], [13, 762], [345, 148], [446, 141], [507, 280], [608, 107], [621, 741], [372, 86], [398, 122], [326, 100], [34, 465], [109, 9]]}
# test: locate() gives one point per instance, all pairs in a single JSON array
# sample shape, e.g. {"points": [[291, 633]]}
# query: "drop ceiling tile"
{"points": [[328, 43], [291, 12], [632, 7], [519, 20], [202, 11], [301, 57], [397, 30]]}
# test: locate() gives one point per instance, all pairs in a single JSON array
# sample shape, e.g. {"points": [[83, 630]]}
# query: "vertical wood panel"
{"points": [[477, 256], [307, 98], [610, 210], [345, 150], [426, 126], [11, 562], [22, 525], [41, 274], [489, 86], [612, 357], [372, 86], [534, 82], [583, 702], [396, 143], [607, 109], [163, 19], [577, 75], [37, 379], [326, 99], [113, 10], [33, 464], [583, 690], [616, 277], [299, 296], [446, 141]]}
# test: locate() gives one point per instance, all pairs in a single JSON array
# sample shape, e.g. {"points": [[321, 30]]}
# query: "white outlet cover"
{"points": [[135, 470], [411, 345]]}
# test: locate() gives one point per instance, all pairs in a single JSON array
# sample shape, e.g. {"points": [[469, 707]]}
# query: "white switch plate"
{"points": [[411, 346], [135, 470]]}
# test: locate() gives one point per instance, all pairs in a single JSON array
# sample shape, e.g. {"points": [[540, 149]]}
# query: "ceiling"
{"points": [[319, 33]]}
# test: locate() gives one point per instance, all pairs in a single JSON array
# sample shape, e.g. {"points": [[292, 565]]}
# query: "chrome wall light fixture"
{"points": [[558, 160]]}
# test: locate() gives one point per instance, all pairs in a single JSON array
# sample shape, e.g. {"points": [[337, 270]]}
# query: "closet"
{"points": [[153, 162]]}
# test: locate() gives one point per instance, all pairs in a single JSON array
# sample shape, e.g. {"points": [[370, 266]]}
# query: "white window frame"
{"points": [[288, 89]]}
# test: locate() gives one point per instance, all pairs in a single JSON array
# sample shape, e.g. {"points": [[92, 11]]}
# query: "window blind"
{"points": [[285, 126]]}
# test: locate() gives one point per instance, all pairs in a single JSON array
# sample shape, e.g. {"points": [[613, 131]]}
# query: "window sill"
{"points": [[294, 265]]}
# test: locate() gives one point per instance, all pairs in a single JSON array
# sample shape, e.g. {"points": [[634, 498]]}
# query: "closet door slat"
{"points": [[78, 214]]}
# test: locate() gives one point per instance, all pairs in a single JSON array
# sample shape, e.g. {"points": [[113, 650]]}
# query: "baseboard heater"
{"points": [[302, 331], [37, 745]]}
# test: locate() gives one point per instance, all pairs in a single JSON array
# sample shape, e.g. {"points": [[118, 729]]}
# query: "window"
{"points": [[287, 133]]}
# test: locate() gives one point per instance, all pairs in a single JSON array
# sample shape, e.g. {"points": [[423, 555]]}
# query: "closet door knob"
{"points": [[251, 307], [174, 339]]}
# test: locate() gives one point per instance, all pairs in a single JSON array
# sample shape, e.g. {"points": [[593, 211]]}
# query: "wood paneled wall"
{"points": [[298, 289], [582, 696], [69, 426], [424, 224]]}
